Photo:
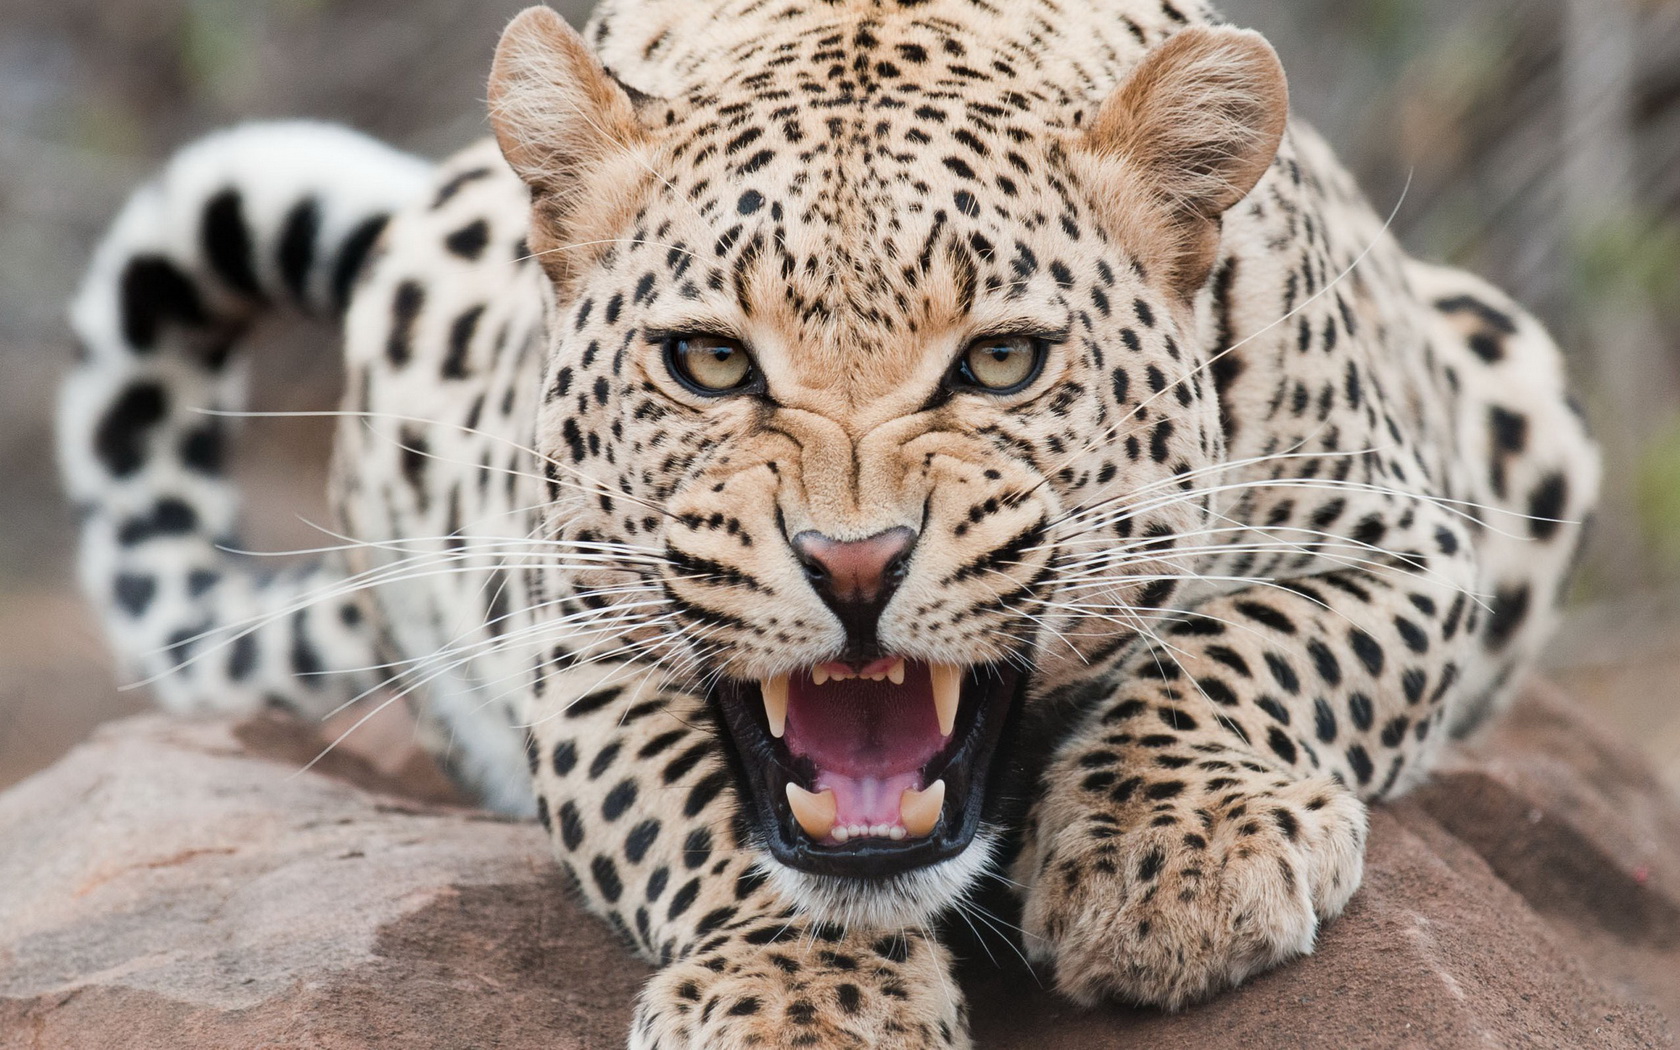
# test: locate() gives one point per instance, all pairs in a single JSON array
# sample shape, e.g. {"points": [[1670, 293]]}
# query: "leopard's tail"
{"points": [[263, 218]]}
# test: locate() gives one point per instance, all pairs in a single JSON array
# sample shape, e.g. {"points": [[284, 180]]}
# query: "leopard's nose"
{"points": [[856, 578]]}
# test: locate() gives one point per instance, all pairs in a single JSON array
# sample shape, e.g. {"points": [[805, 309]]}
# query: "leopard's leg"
{"points": [[1209, 812], [634, 788]]}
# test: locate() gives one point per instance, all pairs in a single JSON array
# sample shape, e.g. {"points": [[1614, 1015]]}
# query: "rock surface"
{"points": [[181, 885]]}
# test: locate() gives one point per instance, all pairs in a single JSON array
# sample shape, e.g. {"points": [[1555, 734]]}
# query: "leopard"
{"points": [[826, 461]]}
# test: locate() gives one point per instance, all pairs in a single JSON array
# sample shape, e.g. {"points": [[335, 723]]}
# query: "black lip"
{"points": [[990, 693]]}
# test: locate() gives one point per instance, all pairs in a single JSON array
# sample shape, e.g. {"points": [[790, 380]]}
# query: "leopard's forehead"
{"points": [[863, 256], [873, 190], [1028, 54]]}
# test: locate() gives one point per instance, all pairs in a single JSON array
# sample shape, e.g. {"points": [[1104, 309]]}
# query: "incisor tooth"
{"points": [[895, 673], [775, 692], [819, 676], [947, 694], [814, 810], [919, 811]]}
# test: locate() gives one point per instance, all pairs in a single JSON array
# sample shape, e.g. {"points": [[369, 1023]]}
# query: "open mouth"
{"points": [[868, 771]]}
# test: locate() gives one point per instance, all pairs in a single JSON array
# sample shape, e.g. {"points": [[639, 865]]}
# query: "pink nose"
{"points": [[855, 572]]}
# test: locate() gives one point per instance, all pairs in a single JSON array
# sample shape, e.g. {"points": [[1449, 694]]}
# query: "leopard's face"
{"points": [[892, 427]]}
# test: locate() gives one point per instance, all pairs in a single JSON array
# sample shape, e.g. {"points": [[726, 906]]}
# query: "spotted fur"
{"points": [[1286, 510]]}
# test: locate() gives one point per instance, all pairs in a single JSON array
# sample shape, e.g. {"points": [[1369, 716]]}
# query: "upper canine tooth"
{"points": [[895, 673], [819, 674], [919, 811], [775, 692], [815, 810], [947, 694]]}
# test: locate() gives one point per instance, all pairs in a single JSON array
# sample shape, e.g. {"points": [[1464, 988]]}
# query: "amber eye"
{"points": [[710, 365], [1001, 364]]}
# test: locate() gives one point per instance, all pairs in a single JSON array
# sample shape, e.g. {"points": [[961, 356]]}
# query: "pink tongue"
{"points": [[867, 740], [869, 800]]}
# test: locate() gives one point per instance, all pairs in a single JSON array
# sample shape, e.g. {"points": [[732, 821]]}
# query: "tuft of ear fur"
{"points": [[562, 121], [1187, 135]]}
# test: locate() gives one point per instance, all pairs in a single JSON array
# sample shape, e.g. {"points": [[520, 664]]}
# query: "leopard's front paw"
{"points": [[892, 992], [1166, 905]]}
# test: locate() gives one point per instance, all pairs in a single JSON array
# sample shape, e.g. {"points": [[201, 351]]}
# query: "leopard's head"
{"points": [[876, 374]]}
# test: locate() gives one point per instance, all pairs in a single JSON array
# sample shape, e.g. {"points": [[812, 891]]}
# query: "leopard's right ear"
{"points": [[561, 120]]}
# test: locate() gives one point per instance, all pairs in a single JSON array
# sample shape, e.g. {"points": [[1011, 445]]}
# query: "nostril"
{"points": [[899, 566], [809, 548]]}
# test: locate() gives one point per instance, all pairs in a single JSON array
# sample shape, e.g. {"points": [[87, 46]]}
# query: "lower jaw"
{"points": [[990, 700], [912, 898]]}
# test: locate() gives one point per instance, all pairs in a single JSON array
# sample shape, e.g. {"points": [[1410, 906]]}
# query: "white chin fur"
{"points": [[912, 899]]}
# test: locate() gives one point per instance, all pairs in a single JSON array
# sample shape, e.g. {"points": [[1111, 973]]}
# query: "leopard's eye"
{"points": [[710, 365], [1001, 364]]}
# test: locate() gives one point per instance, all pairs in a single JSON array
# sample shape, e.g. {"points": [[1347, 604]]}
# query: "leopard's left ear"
{"points": [[1187, 135], [561, 121]]}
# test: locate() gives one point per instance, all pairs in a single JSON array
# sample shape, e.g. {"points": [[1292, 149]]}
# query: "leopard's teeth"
{"points": [[815, 810], [947, 694], [819, 675], [919, 811], [775, 693], [895, 673]]}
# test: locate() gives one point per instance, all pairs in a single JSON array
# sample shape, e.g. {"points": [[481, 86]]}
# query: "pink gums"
{"points": [[867, 740]]}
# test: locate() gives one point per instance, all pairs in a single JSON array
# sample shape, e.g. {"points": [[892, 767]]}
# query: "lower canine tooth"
{"points": [[947, 694], [919, 810], [775, 692], [814, 810]]}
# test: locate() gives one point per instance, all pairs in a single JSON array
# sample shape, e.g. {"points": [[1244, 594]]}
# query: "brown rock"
{"points": [[179, 885], [1581, 827]]}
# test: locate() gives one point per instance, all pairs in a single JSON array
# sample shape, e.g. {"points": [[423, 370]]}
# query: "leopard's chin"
{"points": [[873, 772], [914, 898]]}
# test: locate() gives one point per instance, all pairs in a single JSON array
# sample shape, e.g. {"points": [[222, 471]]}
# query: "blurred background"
{"points": [[1534, 141]]}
